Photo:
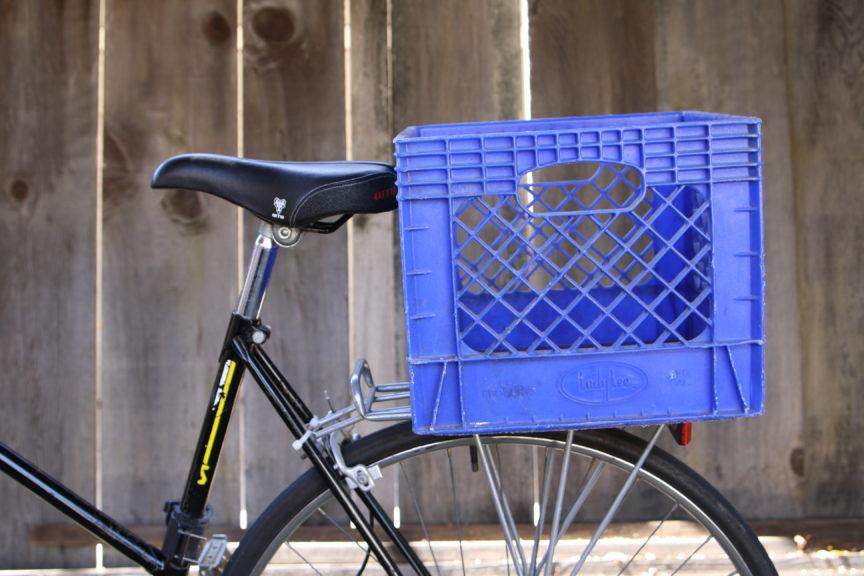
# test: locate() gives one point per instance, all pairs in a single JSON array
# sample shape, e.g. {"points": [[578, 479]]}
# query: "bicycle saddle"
{"points": [[295, 194]]}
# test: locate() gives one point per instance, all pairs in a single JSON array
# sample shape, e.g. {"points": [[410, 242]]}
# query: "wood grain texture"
{"points": [[825, 41], [294, 109], [377, 328], [375, 315], [591, 57], [170, 278], [48, 54], [620, 57], [729, 57], [456, 61]]}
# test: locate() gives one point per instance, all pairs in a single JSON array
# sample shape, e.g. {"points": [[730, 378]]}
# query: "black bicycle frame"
{"points": [[187, 518], [81, 511]]}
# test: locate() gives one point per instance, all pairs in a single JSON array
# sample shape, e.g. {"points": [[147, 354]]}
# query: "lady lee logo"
{"points": [[603, 383]]}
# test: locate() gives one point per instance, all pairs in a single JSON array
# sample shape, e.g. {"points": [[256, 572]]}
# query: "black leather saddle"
{"points": [[296, 194]]}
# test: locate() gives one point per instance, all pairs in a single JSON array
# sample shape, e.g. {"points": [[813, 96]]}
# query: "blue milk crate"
{"points": [[582, 272]]}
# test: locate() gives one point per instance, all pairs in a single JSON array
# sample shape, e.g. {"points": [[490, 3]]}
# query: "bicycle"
{"points": [[340, 495]]}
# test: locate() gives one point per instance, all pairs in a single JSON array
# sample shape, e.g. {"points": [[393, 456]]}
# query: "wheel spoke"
{"points": [[342, 529], [651, 535], [303, 558], [559, 502], [507, 511], [419, 516], [592, 475], [613, 509], [585, 467], [686, 560], [504, 517], [544, 500], [456, 512]]}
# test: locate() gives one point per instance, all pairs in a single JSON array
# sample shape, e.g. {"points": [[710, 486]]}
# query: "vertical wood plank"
{"points": [[456, 62], [374, 293], [591, 57], [294, 109], [824, 47], [169, 256], [618, 57], [729, 57], [375, 313], [48, 54]]}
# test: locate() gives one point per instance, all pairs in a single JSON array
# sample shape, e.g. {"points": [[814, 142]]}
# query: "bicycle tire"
{"points": [[269, 530]]}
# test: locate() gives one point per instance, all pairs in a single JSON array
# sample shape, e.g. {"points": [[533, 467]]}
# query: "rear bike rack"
{"points": [[367, 400], [364, 406]]}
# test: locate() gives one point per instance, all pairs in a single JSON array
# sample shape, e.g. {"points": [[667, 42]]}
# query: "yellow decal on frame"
{"points": [[221, 396]]}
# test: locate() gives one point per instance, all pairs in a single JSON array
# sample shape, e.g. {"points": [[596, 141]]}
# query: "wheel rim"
{"points": [[645, 476]]}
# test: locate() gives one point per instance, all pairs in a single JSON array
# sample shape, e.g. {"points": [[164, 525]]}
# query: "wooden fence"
{"points": [[113, 297]]}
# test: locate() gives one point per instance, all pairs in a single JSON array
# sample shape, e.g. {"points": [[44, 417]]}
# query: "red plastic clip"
{"points": [[682, 433]]}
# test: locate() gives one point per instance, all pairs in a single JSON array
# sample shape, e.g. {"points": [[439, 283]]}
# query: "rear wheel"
{"points": [[453, 499]]}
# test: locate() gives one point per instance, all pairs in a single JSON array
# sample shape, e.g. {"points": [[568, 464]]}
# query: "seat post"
{"points": [[261, 262]]}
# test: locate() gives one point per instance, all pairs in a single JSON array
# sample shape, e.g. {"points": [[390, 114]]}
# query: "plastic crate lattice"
{"points": [[582, 272]]}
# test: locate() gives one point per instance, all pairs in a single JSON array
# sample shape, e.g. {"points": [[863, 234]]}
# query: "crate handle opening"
{"points": [[581, 188]]}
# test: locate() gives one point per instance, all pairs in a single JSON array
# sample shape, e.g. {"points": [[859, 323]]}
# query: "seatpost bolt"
{"points": [[286, 236], [259, 336]]}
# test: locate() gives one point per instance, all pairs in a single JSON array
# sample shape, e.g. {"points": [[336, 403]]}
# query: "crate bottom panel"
{"points": [[587, 391]]}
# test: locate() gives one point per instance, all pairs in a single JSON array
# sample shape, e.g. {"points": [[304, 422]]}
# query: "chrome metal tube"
{"points": [[261, 262]]}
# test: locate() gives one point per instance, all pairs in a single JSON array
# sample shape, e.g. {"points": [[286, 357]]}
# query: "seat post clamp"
{"points": [[286, 237]]}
